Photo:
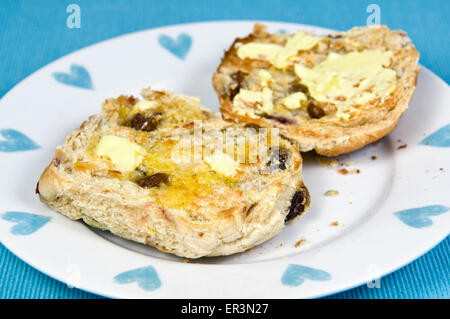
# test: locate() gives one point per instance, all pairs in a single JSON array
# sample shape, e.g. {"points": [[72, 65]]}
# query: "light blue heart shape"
{"points": [[78, 76], [295, 275], [179, 46], [282, 31], [440, 138], [16, 141], [420, 217], [26, 223], [146, 278]]}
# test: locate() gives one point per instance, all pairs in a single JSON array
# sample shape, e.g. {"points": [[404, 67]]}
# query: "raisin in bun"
{"points": [[121, 171], [333, 94]]}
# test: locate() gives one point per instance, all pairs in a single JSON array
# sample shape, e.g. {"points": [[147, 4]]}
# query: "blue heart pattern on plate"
{"points": [[440, 138], [179, 46], [146, 278], [26, 223], [420, 217], [295, 275], [16, 141], [78, 77]]}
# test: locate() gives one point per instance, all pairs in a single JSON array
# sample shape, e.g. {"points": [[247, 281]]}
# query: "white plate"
{"points": [[372, 238]]}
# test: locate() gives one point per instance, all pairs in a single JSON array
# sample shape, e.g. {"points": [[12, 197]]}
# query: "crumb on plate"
{"points": [[329, 163], [301, 241], [331, 193]]}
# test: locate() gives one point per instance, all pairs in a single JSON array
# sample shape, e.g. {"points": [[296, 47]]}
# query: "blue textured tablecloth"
{"points": [[34, 33]]}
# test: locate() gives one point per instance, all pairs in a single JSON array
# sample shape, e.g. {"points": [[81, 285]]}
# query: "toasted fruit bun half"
{"points": [[124, 170], [333, 94]]}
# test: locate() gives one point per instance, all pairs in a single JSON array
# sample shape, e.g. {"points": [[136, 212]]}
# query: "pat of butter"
{"points": [[259, 50], [278, 55], [342, 115], [294, 101], [248, 96], [265, 77], [351, 79], [245, 98], [145, 105], [124, 154], [267, 100], [222, 163]]}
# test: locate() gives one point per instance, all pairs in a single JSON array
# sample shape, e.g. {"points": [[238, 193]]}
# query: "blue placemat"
{"points": [[34, 33]]}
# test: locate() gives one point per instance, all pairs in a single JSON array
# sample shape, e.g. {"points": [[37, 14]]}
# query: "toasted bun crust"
{"points": [[218, 218], [328, 135]]}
